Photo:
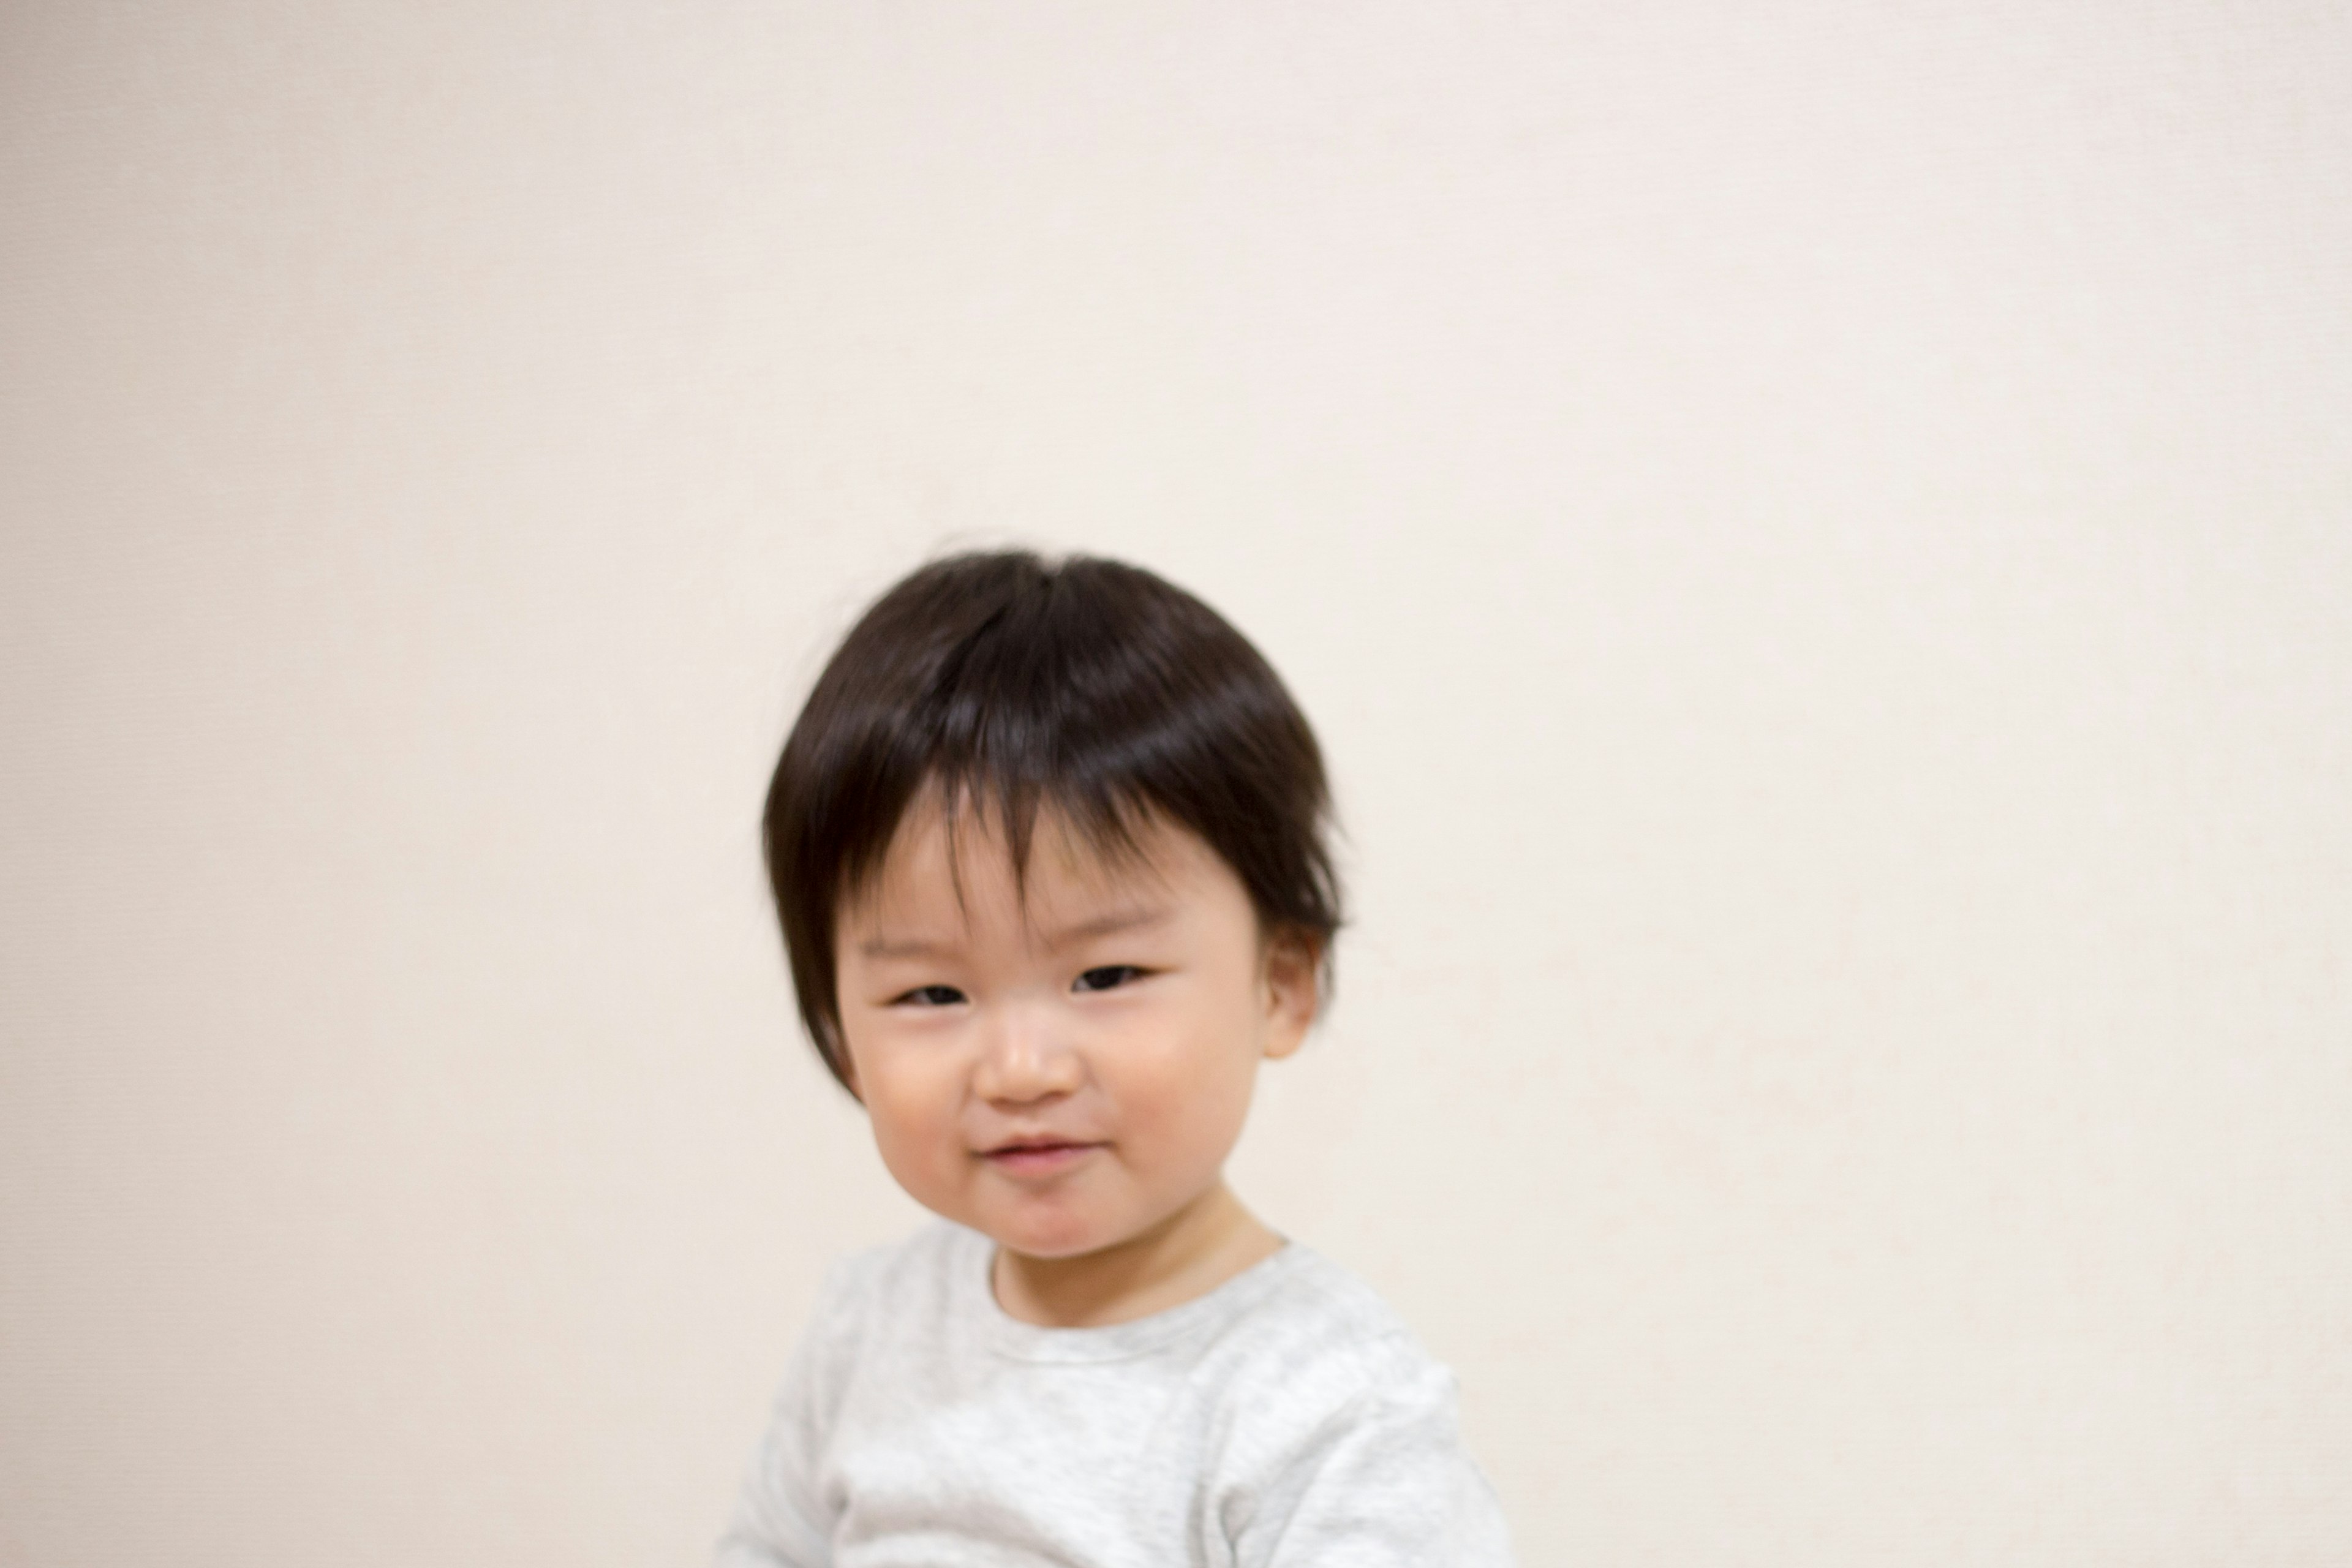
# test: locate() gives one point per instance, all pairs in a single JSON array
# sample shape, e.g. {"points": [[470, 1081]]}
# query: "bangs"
{"points": [[1110, 827]]}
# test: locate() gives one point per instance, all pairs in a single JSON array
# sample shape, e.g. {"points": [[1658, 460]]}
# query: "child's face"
{"points": [[1067, 1071]]}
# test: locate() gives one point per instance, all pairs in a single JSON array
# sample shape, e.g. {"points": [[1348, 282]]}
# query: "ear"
{"points": [[1294, 992], [839, 1055]]}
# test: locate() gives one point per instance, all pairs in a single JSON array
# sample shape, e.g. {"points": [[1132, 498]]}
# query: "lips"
{"points": [[1038, 1156]]}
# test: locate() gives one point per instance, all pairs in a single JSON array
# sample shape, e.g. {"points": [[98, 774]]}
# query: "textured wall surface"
{"points": [[1818, 537]]}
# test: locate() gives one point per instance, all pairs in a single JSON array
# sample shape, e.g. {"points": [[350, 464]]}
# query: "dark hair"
{"points": [[1011, 682]]}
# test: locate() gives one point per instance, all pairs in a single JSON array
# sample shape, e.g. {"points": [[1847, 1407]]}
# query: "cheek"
{"points": [[1191, 1101], [909, 1114]]}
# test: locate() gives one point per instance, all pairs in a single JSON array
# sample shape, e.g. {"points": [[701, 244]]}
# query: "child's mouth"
{"points": [[1039, 1159]]}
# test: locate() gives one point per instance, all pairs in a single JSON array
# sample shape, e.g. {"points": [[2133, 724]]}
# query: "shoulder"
{"points": [[1316, 1313], [891, 1288], [931, 1251], [790, 1499], [1343, 1436], [1321, 1351], [920, 1269]]}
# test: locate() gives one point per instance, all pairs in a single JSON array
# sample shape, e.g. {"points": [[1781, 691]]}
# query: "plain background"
{"points": [[1817, 536]]}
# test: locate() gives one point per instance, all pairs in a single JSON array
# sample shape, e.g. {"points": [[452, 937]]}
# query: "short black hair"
{"points": [[1011, 683]]}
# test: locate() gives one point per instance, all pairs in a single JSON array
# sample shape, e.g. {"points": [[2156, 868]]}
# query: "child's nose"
{"points": [[1023, 1059]]}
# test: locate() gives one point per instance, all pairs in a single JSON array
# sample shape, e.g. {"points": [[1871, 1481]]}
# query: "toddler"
{"points": [[1047, 846]]}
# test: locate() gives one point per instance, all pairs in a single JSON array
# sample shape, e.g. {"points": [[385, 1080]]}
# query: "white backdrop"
{"points": [[1817, 537]]}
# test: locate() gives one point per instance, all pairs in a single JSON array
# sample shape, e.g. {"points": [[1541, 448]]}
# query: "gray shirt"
{"points": [[1287, 1418]]}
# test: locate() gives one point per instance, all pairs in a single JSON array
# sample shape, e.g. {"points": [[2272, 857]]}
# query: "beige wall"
{"points": [[1819, 539]]}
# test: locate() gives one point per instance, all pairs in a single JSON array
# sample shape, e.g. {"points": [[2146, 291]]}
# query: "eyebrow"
{"points": [[884, 947], [1110, 924]]}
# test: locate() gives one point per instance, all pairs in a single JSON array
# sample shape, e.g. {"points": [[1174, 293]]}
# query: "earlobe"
{"points": [[1293, 990], [848, 1074]]}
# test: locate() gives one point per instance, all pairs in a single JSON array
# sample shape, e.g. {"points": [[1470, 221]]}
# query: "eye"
{"points": [[929, 997], [1107, 977]]}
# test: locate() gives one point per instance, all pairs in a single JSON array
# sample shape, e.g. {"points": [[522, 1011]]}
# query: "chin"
{"points": [[1052, 1241]]}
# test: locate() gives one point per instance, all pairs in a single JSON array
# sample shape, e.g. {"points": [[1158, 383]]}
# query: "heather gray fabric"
{"points": [[1287, 1418]]}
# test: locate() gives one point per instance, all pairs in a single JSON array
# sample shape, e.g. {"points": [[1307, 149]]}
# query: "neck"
{"points": [[1186, 1256]]}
